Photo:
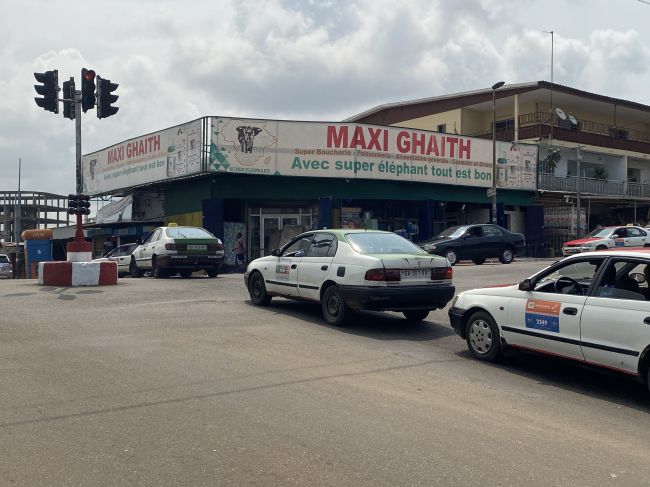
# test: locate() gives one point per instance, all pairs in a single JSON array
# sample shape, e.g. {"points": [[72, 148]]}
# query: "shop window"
{"points": [[442, 128]]}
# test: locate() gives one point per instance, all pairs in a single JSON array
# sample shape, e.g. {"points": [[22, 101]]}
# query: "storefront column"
{"points": [[534, 231], [425, 222], [213, 216], [501, 215], [325, 212]]}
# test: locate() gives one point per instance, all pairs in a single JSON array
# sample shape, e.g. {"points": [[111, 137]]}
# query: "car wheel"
{"points": [[133, 269], [185, 274], [156, 271], [601, 247], [452, 256], [335, 311], [483, 339], [416, 315], [507, 256], [212, 273], [478, 261], [257, 290]]}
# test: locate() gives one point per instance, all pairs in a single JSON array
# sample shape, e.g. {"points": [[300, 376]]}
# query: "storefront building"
{"points": [[271, 179]]}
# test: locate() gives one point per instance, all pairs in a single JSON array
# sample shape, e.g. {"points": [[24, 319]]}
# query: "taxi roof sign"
{"points": [[172, 225]]}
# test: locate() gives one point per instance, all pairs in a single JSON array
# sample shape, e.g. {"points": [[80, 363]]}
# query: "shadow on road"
{"points": [[571, 376], [376, 325]]}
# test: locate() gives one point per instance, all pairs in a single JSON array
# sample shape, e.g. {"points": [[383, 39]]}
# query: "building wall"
{"points": [[452, 119]]}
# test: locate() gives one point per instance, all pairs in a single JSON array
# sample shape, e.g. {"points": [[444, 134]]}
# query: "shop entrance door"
{"points": [[271, 225]]}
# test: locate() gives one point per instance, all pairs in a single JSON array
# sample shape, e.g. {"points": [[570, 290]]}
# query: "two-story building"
{"points": [[593, 149]]}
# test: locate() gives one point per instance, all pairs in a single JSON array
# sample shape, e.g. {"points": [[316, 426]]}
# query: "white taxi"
{"points": [[607, 238], [177, 249], [347, 270], [592, 308]]}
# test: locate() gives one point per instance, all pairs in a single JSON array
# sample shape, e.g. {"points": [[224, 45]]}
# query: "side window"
{"points": [[634, 232], [621, 280], [333, 248], [320, 245], [566, 279], [492, 231], [153, 237], [298, 248], [621, 232], [475, 232]]}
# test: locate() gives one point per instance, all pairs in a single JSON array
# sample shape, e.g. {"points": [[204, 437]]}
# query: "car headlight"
{"points": [[429, 247]]}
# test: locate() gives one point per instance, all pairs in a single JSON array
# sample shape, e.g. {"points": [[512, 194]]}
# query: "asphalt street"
{"points": [[185, 382]]}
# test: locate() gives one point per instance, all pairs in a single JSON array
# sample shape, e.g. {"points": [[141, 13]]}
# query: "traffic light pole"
{"points": [[79, 234]]}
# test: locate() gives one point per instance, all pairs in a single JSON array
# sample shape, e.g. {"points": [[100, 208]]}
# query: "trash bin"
{"points": [[38, 248]]}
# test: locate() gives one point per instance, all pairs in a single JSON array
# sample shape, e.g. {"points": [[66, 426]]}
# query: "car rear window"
{"points": [[187, 232], [382, 243]]}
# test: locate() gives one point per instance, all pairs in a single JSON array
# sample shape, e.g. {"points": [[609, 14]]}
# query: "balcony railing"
{"points": [[549, 182]]}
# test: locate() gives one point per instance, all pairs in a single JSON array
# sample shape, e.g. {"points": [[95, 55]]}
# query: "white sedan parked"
{"points": [[348, 270], [592, 308], [121, 255]]}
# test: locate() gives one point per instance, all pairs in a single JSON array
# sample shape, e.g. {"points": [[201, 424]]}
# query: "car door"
{"points": [[143, 252], [314, 267], [492, 241], [635, 237], [123, 257], [547, 318], [283, 279], [620, 237], [470, 243], [615, 323]]}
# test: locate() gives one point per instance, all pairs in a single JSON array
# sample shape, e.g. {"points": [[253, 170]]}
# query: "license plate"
{"points": [[415, 273], [196, 247]]}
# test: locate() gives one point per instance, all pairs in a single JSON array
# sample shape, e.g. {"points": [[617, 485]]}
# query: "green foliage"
{"points": [[551, 160]]}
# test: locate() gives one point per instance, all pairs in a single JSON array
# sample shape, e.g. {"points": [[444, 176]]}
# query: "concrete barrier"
{"points": [[68, 274]]}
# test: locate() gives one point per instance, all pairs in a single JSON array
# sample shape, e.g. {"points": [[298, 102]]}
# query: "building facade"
{"points": [[593, 149]]}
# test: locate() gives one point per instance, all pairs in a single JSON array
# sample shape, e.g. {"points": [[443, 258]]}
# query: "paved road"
{"points": [[184, 382]]}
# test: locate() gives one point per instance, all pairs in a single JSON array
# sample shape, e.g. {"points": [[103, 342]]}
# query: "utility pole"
{"points": [[578, 161], [18, 223]]}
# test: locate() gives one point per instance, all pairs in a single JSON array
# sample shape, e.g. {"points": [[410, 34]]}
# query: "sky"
{"points": [[176, 61]]}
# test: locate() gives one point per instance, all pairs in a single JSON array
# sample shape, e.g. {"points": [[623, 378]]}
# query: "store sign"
{"points": [[155, 157], [339, 150]]}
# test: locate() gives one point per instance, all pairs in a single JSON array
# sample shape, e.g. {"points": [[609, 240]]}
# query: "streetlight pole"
{"points": [[495, 87]]}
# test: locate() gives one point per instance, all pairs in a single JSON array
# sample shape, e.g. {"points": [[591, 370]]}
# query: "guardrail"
{"points": [[549, 182]]}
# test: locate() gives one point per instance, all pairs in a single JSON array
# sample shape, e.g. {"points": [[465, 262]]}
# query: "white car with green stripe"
{"points": [[177, 250], [591, 308], [348, 270]]}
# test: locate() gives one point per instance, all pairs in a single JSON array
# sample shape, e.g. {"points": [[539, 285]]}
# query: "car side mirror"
{"points": [[526, 285], [275, 252]]}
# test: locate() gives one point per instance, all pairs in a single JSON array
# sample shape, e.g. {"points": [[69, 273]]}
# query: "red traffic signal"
{"points": [[87, 89]]}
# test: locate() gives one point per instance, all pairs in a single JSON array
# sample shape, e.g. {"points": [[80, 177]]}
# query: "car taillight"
{"points": [[219, 246], [438, 273], [389, 275], [170, 246]]}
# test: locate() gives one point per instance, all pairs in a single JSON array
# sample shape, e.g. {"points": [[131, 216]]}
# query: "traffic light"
{"points": [[68, 94], [78, 204], [49, 89], [87, 89], [105, 98]]}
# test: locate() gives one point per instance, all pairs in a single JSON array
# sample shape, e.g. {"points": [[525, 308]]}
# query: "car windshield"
{"points": [[453, 232], [382, 243], [187, 232], [601, 232]]}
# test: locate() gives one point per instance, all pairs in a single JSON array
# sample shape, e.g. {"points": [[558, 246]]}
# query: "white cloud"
{"points": [[290, 59]]}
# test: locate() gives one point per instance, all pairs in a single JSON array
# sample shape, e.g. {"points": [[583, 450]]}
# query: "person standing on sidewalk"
{"points": [[240, 253]]}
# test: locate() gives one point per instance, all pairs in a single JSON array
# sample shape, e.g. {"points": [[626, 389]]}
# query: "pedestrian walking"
{"points": [[240, 253]]}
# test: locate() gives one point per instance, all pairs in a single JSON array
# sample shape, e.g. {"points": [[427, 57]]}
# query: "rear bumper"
{"points": [[195, 262], [397, 298]]}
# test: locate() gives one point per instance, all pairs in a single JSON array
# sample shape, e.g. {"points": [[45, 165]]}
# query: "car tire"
{"points": [[478, 261], [212, 273], [452, 256], [483, 338], [156, 271], [133, 269], [335, 310], [601, 247], [257, 290], [507, 256], [185, 273], [415, 315]]}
